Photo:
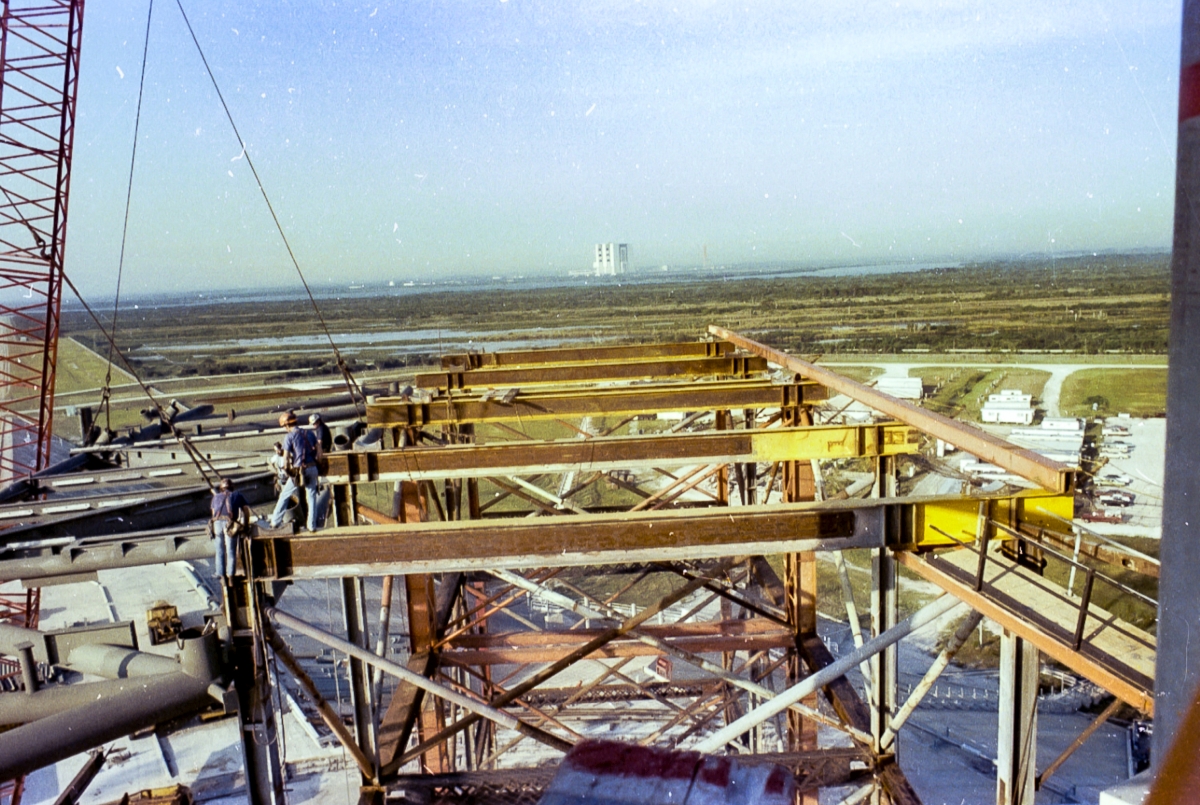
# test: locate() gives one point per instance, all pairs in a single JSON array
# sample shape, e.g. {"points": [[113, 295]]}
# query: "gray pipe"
{"points": [[13, 636], [198, 660], [371, 436], [21, 708], [133, 705], [151, 700], [116, 662]]}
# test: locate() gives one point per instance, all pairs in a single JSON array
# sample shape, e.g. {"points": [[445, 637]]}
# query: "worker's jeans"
{"points": [[311, 474], [226, 545]]}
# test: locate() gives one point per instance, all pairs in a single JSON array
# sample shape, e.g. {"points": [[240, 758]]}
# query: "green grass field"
{"points": [[1103, 392], [80, 369]]}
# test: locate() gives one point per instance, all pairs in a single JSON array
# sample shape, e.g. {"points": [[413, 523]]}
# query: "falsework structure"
{"points": [[715, 537], [601, 541]]}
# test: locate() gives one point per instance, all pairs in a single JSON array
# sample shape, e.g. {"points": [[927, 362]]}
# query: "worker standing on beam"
{"points": [[230, 518], [301, 450]]}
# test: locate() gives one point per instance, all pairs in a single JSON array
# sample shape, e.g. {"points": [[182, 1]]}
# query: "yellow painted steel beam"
{"points": [[1048, 474], [623, 452], [462, 409], [584, 354], [560, 374], [960, 518]]}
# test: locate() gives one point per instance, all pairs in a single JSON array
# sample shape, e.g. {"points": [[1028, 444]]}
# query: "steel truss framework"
{"points": [[516, 560], [557, 563]]}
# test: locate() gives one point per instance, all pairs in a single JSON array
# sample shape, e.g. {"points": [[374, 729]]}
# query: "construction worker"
{"points": [[230, 518], [279, 465], [300, 449], [323, 433]]}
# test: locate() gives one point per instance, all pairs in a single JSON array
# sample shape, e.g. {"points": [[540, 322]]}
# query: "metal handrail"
{"points": [[1072, 561], [1085, 599]]}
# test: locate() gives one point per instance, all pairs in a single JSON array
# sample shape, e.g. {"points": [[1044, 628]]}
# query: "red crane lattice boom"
{"points": [[39, 75]]}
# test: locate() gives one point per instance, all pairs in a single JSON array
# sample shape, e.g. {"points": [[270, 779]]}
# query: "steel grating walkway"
{"points": [[1113, 654]]}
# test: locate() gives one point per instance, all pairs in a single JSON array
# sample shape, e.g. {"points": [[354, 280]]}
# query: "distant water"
{"points": [[401, 285]]}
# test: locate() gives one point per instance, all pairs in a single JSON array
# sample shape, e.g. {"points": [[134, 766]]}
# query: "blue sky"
{"points": [[421, 139]]}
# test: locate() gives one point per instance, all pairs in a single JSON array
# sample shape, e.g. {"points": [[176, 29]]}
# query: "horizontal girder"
{"points": [[617, 401], [599, 354], [592, 372], [624, 452], [588, 539]]}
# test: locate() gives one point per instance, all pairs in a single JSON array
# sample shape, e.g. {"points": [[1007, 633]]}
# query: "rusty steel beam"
{"points": [[666, 631], [502, 655], [567, 373], [1026, 463], [587, 539], [599, 354], [391, 412], [620, 452], [550, 671]]}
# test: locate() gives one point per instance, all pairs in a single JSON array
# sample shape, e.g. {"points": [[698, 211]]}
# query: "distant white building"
{"points": [[1009, 407], [612, 259]]}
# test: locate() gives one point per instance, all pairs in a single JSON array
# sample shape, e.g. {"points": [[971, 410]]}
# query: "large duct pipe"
{"points": [[152, 700], [113, 709], [13, 636], [117, 662], [22, 708], [344, 436]]}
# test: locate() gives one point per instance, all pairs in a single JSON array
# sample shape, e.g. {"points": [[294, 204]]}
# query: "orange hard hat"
{"points": [[287, 419]]}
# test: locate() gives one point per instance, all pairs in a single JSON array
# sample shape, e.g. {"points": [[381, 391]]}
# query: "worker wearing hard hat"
{"points": [[301, 451]]}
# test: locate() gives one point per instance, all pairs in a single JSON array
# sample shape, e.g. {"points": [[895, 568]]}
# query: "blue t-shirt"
{"points": [[301, 445], [227, 504]]}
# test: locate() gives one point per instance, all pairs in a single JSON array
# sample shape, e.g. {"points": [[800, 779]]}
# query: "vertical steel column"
{"points": [[800, 583], [750, 471], [252, 683], [732, 695], [1177, 672], [1016, 759], [881, 697], [354, 613], [723, 421], [422, 630]]}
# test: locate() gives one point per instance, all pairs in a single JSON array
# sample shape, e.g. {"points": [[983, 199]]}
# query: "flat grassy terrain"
{"points": [[1110, 304], [79, 368], [1103, 392]]}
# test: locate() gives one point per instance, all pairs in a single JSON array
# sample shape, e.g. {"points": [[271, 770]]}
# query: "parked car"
{"points": [[1115, 497], [1102, 516], [1113, 479]]}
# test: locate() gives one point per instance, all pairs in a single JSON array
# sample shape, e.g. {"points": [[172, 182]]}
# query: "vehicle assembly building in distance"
{"points": [[612, 259]]}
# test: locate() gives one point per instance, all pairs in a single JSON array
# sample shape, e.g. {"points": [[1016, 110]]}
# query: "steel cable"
{"points": [[137, 122], [352, 386]]}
